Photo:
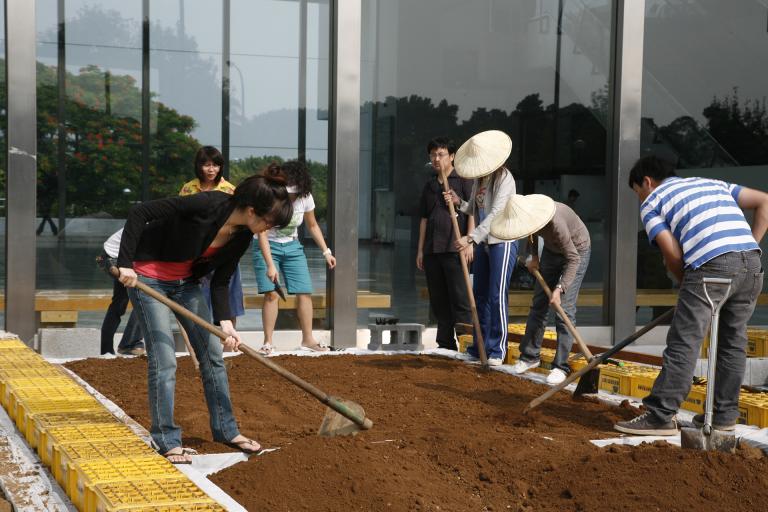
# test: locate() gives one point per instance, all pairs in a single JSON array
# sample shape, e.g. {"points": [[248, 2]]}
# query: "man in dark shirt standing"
{"points": [[436, 255]]}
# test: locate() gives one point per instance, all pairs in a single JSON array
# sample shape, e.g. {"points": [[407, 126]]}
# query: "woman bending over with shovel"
{"points": [[168, 244], [482, 158]]}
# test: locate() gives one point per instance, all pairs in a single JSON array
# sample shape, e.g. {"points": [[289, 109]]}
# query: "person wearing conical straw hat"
{"points": [[563, 263], [482, 158]]}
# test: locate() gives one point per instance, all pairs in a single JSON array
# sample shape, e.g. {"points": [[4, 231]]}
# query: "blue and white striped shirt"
{"points": [[702, 215]]}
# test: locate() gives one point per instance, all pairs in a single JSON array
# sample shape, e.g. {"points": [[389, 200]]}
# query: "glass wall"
{"points": [[185, 76], [107, 140], [536, 69], [704, 102], [279, 99], [89, 114]]}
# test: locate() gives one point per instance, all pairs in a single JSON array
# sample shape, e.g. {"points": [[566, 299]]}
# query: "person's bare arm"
{"points": [[266, 253], [757, 200], [672, 253], [420, 246], [317, 236]]}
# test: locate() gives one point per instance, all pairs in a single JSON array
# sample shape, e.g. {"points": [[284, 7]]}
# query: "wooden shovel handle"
{"points": [[600, 358], [479, 342], [567, 321], [329, 401]]}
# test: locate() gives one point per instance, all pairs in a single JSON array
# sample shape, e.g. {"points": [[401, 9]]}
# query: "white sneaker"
{"points": [[523, 366], [495, 361], [556, 376]]}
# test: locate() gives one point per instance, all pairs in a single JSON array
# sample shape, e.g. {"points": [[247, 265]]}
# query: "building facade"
{"points": [[112, 98]]}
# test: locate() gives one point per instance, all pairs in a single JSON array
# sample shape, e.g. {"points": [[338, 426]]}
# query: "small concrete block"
{"points": [[65, 343], [401, 337]]}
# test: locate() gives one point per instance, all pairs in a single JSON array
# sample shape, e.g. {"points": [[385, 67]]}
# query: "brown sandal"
{"points": [[184, 456]]}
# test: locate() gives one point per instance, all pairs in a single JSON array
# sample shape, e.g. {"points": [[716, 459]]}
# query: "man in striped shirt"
{"points": [[699, 226]]}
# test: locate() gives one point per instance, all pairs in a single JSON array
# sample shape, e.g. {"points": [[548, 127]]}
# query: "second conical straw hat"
{"points": [[523, 216], [482, 154]]}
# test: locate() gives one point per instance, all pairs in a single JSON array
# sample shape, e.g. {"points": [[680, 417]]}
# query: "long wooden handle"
{"points": [[326, 399], [600, 359], [479, 342], [567, 321]]}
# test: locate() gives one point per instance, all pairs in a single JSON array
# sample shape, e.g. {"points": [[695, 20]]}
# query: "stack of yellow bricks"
{"points": [[100, 462], [637, 380]]}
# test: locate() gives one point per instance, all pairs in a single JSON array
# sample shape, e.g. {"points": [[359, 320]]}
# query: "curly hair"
{"points": [[296, 175]]}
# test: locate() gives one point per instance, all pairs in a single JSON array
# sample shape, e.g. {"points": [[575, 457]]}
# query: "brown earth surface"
{"points": [[446, 437]]}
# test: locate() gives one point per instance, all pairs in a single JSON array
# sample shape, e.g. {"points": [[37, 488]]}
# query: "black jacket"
{"points": [[181, 229]]}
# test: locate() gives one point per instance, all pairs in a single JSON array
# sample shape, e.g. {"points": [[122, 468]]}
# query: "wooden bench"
{"points": [[520, 300], [59, 308]]}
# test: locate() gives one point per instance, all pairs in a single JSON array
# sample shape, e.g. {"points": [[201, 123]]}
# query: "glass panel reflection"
{"points": [[436, 68], [703, 103]]}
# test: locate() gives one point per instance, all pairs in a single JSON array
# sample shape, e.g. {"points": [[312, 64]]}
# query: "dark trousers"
{"points": [[447, 295], [132, 334], [691, 324]]}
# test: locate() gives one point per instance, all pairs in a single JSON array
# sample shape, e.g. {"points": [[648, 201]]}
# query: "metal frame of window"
{"points": [[21, 175], [344, 165], [628, 22]]}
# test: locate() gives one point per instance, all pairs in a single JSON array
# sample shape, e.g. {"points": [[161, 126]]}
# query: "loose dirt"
{"points": [[446, 437]]}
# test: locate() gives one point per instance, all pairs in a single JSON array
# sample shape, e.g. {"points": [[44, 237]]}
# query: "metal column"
{"points": [[624, 150], [344, 160], [21, 184]]}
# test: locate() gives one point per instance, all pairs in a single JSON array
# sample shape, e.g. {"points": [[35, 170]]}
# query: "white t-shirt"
{"points": [[112, 245], [289, 232]]}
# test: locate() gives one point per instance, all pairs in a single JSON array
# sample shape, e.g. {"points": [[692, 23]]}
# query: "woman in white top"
{"points": [[280, 251]]}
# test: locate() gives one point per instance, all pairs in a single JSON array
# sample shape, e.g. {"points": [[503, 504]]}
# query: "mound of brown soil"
{"points": [[446, 437]]}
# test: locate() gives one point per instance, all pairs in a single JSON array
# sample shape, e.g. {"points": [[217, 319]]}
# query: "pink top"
{"points": [[169, 270]]}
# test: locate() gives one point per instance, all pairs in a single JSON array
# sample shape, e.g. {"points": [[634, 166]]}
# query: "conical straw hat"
{"points": [[482, 154], [522, 216]]}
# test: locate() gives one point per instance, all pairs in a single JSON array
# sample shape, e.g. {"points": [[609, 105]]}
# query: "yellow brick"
{"points": [[164, 494]]}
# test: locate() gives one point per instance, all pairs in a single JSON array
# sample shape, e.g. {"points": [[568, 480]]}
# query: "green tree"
{"points": [[103, 141]]}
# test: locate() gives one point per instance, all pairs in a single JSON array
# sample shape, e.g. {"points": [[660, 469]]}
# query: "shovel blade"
{"points": [[716, 440], [335, 424], [588, 383]]}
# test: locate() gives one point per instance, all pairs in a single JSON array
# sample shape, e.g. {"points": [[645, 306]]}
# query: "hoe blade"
{"points": [[334, 424], [588, 383]]}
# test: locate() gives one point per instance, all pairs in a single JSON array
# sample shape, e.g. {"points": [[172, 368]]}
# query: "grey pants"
{"points": [[551, 268], [691, 324]]}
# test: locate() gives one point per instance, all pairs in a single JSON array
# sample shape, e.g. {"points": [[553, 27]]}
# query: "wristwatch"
{"points": [[560, 287], [327, 252]]}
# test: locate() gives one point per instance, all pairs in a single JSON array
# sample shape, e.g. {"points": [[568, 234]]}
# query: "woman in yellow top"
{"points": [[209, 165]]}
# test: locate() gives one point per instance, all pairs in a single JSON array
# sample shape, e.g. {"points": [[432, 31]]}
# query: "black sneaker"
{"points": [[138, 350], [647, 425], [698, 422]]}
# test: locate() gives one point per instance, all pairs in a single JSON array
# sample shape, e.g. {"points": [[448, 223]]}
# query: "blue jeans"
{"points": [[551, 268], [691, 324], [492, 269], [161, 358]]}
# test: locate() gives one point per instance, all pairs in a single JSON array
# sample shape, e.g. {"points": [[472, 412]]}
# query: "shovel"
{"points": [[567, 321], [708, 438], [590, 374], [343, 417], [465, 270]]}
